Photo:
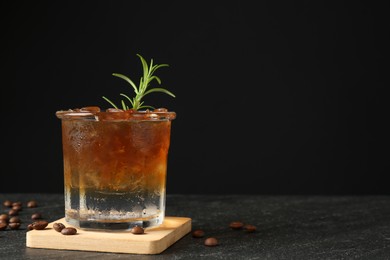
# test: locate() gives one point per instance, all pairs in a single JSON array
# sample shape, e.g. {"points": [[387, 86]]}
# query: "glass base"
{"points": [[106, 225]]}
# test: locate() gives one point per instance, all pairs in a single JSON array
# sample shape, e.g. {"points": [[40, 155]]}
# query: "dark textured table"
{"points": [[288, 227]]}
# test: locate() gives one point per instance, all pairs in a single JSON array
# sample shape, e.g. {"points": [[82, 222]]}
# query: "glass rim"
{"points": [[95, 114]]}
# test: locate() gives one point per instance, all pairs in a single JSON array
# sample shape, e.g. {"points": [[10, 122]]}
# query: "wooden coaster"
{"points": [[153, 241]]}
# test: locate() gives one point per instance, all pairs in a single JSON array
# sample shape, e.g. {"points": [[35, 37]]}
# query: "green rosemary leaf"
{"points": [[144, 87]]}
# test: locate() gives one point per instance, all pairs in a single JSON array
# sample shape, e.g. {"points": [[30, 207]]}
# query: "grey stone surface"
{"points": [[288, 227]]}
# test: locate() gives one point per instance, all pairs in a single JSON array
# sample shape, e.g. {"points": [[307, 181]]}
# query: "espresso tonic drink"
{"points": [[115, 166]]}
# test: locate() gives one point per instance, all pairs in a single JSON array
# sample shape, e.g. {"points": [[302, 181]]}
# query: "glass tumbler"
{"points": [[115, 167]]}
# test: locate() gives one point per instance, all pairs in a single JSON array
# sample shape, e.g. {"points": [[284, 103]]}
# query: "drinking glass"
{"points": [[115, 167]]}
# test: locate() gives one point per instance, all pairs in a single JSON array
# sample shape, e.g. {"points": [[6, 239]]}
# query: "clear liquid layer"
{"points": [[108, 210]]}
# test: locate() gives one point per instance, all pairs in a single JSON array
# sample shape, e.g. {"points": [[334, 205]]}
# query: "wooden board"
{"points": [[153, 241]]}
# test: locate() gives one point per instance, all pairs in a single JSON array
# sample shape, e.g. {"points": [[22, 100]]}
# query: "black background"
{"points": [[271, 97]]}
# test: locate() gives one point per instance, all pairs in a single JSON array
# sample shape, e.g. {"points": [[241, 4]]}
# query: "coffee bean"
{"points": [[137, 230], [36, 216], [13, 212], [7, 203], [211, 241], [3, 226], [250, 228], [236, 225], [198, 233], [32, 204], [14, 226], [17, 207], [58, 227], [69, 231], [14, 219], [30, 227], [39, 225], [4, 217], [17, 203]]}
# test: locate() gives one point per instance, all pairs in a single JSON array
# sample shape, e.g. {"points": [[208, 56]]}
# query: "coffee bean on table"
{"points": [[250, 228], [137, 230], [236, 225], [39, 225], [211, 241], [32, 204], [3, 226], [69, 231], [7, 203], [14, 226], [17, 203], [198, 233], [58, 227], [30, 227], [4, 218], [13, 212], [14, 219], [36, 216], [17, 207]]}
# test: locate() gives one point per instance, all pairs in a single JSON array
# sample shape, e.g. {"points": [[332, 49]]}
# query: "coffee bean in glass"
{"points": [[236, 225], [32, 204], [211, 241], [198, 233], [58, 227], [69, 231], [137, 230]]}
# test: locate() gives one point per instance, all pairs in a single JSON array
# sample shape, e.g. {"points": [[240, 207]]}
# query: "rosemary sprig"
{"points": [[143, 88]]}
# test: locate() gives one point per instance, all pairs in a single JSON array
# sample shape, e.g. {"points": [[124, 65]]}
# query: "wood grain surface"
{"points": [[153, 241]]}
